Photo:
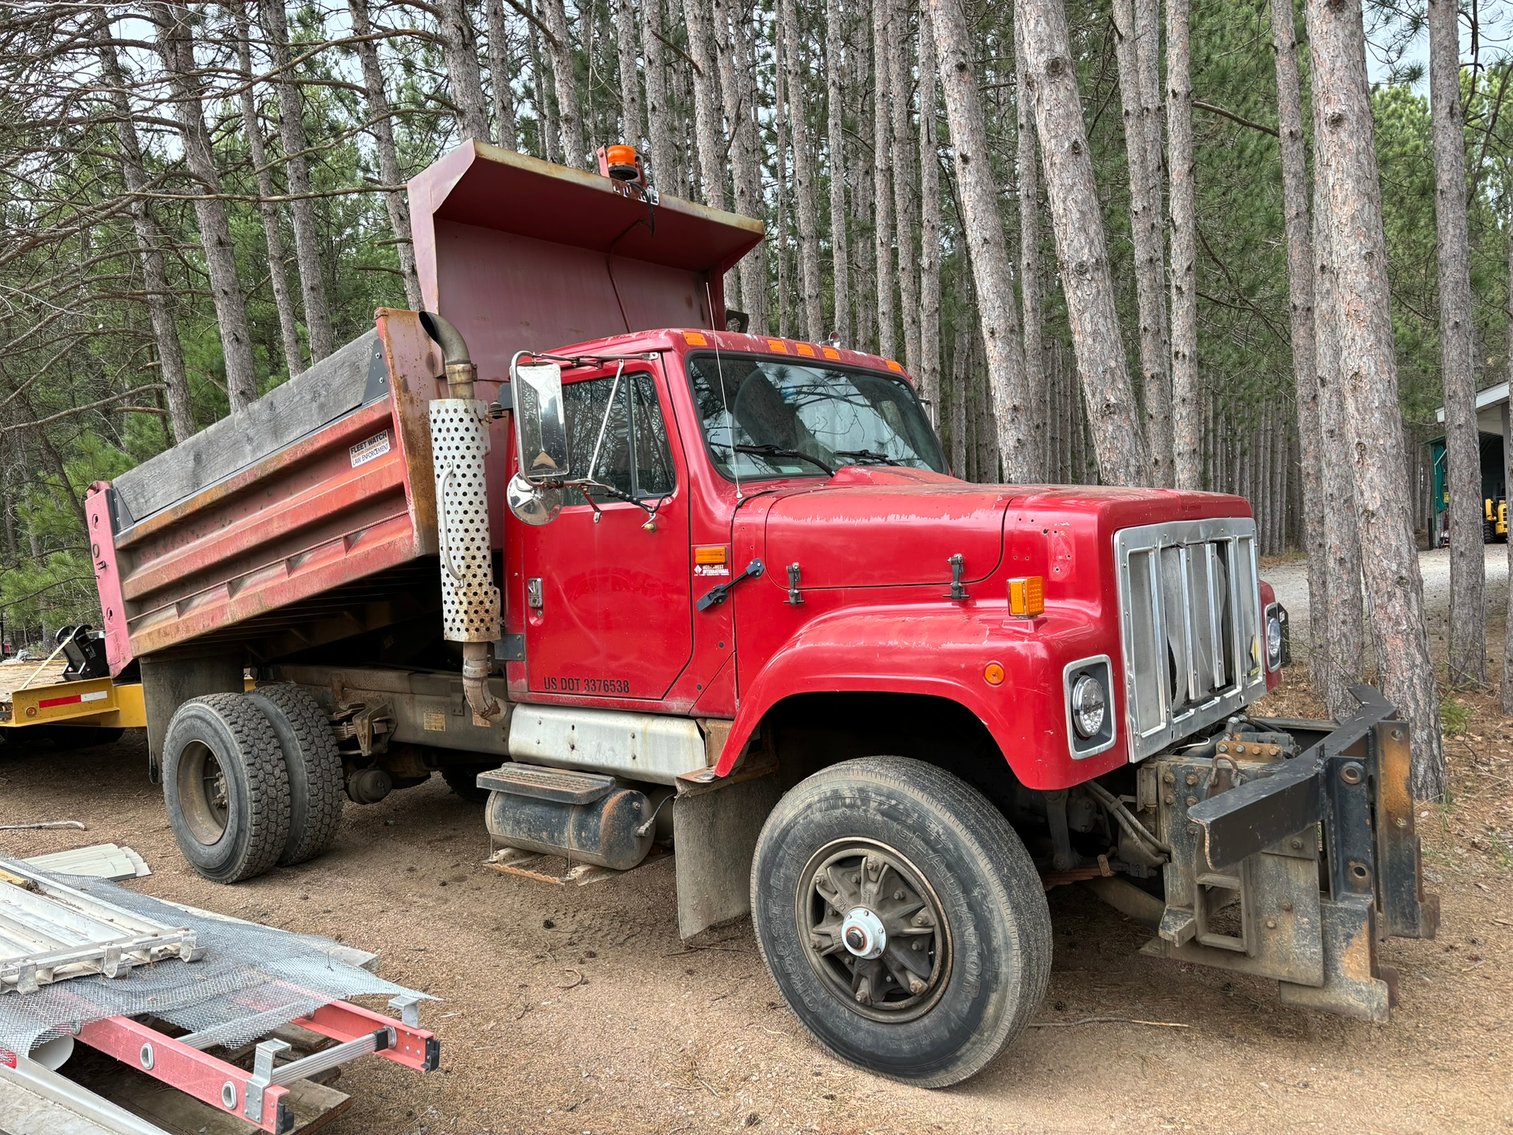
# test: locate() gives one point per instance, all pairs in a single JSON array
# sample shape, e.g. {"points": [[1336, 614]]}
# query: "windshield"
{"points": [[775, 418]]}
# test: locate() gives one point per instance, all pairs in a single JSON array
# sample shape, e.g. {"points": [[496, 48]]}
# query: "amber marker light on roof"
{"points": [[830, 352], [777, 345], [1027, 596], [993, 674], [694, 339], [895, 367], [805, 349]]}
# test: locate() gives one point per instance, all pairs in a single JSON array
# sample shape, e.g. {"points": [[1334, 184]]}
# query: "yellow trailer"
{"points": [[72, 712]]}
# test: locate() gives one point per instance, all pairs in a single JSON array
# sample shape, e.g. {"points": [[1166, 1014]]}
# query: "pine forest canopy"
{"points": [[202, 198]]}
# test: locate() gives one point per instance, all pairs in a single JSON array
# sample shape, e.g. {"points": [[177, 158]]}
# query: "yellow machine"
{"points": [[1495, 519]]}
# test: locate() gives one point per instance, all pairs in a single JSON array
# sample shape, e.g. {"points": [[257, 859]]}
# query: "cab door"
{"points": [[606, 585]]}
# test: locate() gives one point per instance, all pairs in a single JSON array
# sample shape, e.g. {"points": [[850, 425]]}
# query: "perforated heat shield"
{"points": [[459, 445]]}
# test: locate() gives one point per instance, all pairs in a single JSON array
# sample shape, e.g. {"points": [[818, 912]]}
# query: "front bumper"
{"points": [[1295, 868]]}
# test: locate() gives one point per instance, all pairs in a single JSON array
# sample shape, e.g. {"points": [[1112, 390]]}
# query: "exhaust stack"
{"points": [[459, 447]]}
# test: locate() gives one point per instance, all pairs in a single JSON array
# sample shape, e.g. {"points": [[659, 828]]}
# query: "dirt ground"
{"points": [[579, 1010]]}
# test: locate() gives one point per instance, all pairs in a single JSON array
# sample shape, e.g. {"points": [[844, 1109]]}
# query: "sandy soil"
{"points": [[579, 1010]]}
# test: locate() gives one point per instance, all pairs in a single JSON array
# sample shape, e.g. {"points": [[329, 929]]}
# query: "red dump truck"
{"points": [[577, 543]]}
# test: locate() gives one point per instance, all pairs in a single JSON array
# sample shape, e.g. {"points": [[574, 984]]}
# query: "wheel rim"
{"points": [[875, 930], [203, 794]]}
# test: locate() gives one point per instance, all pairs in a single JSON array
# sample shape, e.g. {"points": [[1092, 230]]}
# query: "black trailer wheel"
{"points": [[226, 787], [316, 787], [463, 780], [902, 918]]}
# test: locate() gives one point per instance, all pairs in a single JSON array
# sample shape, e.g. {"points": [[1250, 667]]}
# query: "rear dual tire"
{"points": [[251, 782]]}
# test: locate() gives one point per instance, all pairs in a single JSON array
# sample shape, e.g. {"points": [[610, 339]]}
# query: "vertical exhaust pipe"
{"points": [[459, 447]]}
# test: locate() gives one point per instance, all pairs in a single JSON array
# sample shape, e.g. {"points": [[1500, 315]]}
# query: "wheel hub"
{"points": [[876, 931], [863, 933]]}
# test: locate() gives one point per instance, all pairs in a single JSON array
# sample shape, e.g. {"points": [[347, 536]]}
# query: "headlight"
{"points": [[1276, 637], [1089, 705]]}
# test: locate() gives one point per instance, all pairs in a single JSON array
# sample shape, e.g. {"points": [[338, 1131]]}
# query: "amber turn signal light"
{"points": [[1027, 596], [993, 673]]}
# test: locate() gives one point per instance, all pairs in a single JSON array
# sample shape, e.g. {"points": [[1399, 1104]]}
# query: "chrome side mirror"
{"points": [[540, 424], [533, 504]]}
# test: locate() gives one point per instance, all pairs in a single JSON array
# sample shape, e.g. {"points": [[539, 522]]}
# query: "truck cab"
{"points": [[626, 574]]}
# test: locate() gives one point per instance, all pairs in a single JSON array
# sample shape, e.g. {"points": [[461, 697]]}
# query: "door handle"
{"points": [[717, 595], [533, 593]]}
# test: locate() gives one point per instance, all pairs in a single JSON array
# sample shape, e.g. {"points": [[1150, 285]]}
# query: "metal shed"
{"points": [[1492, 425]]}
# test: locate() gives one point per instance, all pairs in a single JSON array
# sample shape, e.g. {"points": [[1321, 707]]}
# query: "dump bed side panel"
{"points": [[281, 518]]}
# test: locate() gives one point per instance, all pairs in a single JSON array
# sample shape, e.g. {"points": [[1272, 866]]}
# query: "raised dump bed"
{"points": [[305, 517]]}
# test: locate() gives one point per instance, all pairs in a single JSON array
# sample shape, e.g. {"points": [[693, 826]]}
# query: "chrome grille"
{"points": [[1189, 604]]}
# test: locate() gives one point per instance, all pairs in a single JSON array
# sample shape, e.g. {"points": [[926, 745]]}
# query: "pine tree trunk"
{"points": [[632, 123], [987, 247], [863, 198], [840, 250], [780, 234], [905, 208], [1031, 273], [1394, 585], [1468, 604], [659, 113], [460, 49], [291, 129], [736, 67], [501, 72], [1123, 457], [1187, 438], [956, 395], [708, 139], [882, 175], [805, 192], [1152, 100], [278, 276], [176, 45], [1340, 648], [1300, 269], [546, 104], [927, 370], [1146, 229], [382, 127], [565, 85], [151, 240]]}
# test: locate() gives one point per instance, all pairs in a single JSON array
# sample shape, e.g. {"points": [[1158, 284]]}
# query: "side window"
{"points": [[634, 455]]}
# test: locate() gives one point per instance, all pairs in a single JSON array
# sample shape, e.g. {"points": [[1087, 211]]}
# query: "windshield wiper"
{"points": [[871, 455], [779, 451]]}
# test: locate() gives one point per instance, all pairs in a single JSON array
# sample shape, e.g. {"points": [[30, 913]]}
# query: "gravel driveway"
{"points": [[1290, 580]]}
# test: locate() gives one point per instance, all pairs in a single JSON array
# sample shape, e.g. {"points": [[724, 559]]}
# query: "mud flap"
{"points": [[715, 829], [1296, 869]]}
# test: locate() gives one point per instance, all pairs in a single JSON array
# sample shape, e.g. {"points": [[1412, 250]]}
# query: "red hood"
{"points": [[886, 526], [882, 526]]}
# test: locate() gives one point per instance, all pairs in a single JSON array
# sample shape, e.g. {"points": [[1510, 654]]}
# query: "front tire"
{"points": [[225, 787], [902, 919]]}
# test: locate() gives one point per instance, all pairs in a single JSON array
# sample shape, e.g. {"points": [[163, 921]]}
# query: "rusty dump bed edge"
{"points": [[321, 484]]}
